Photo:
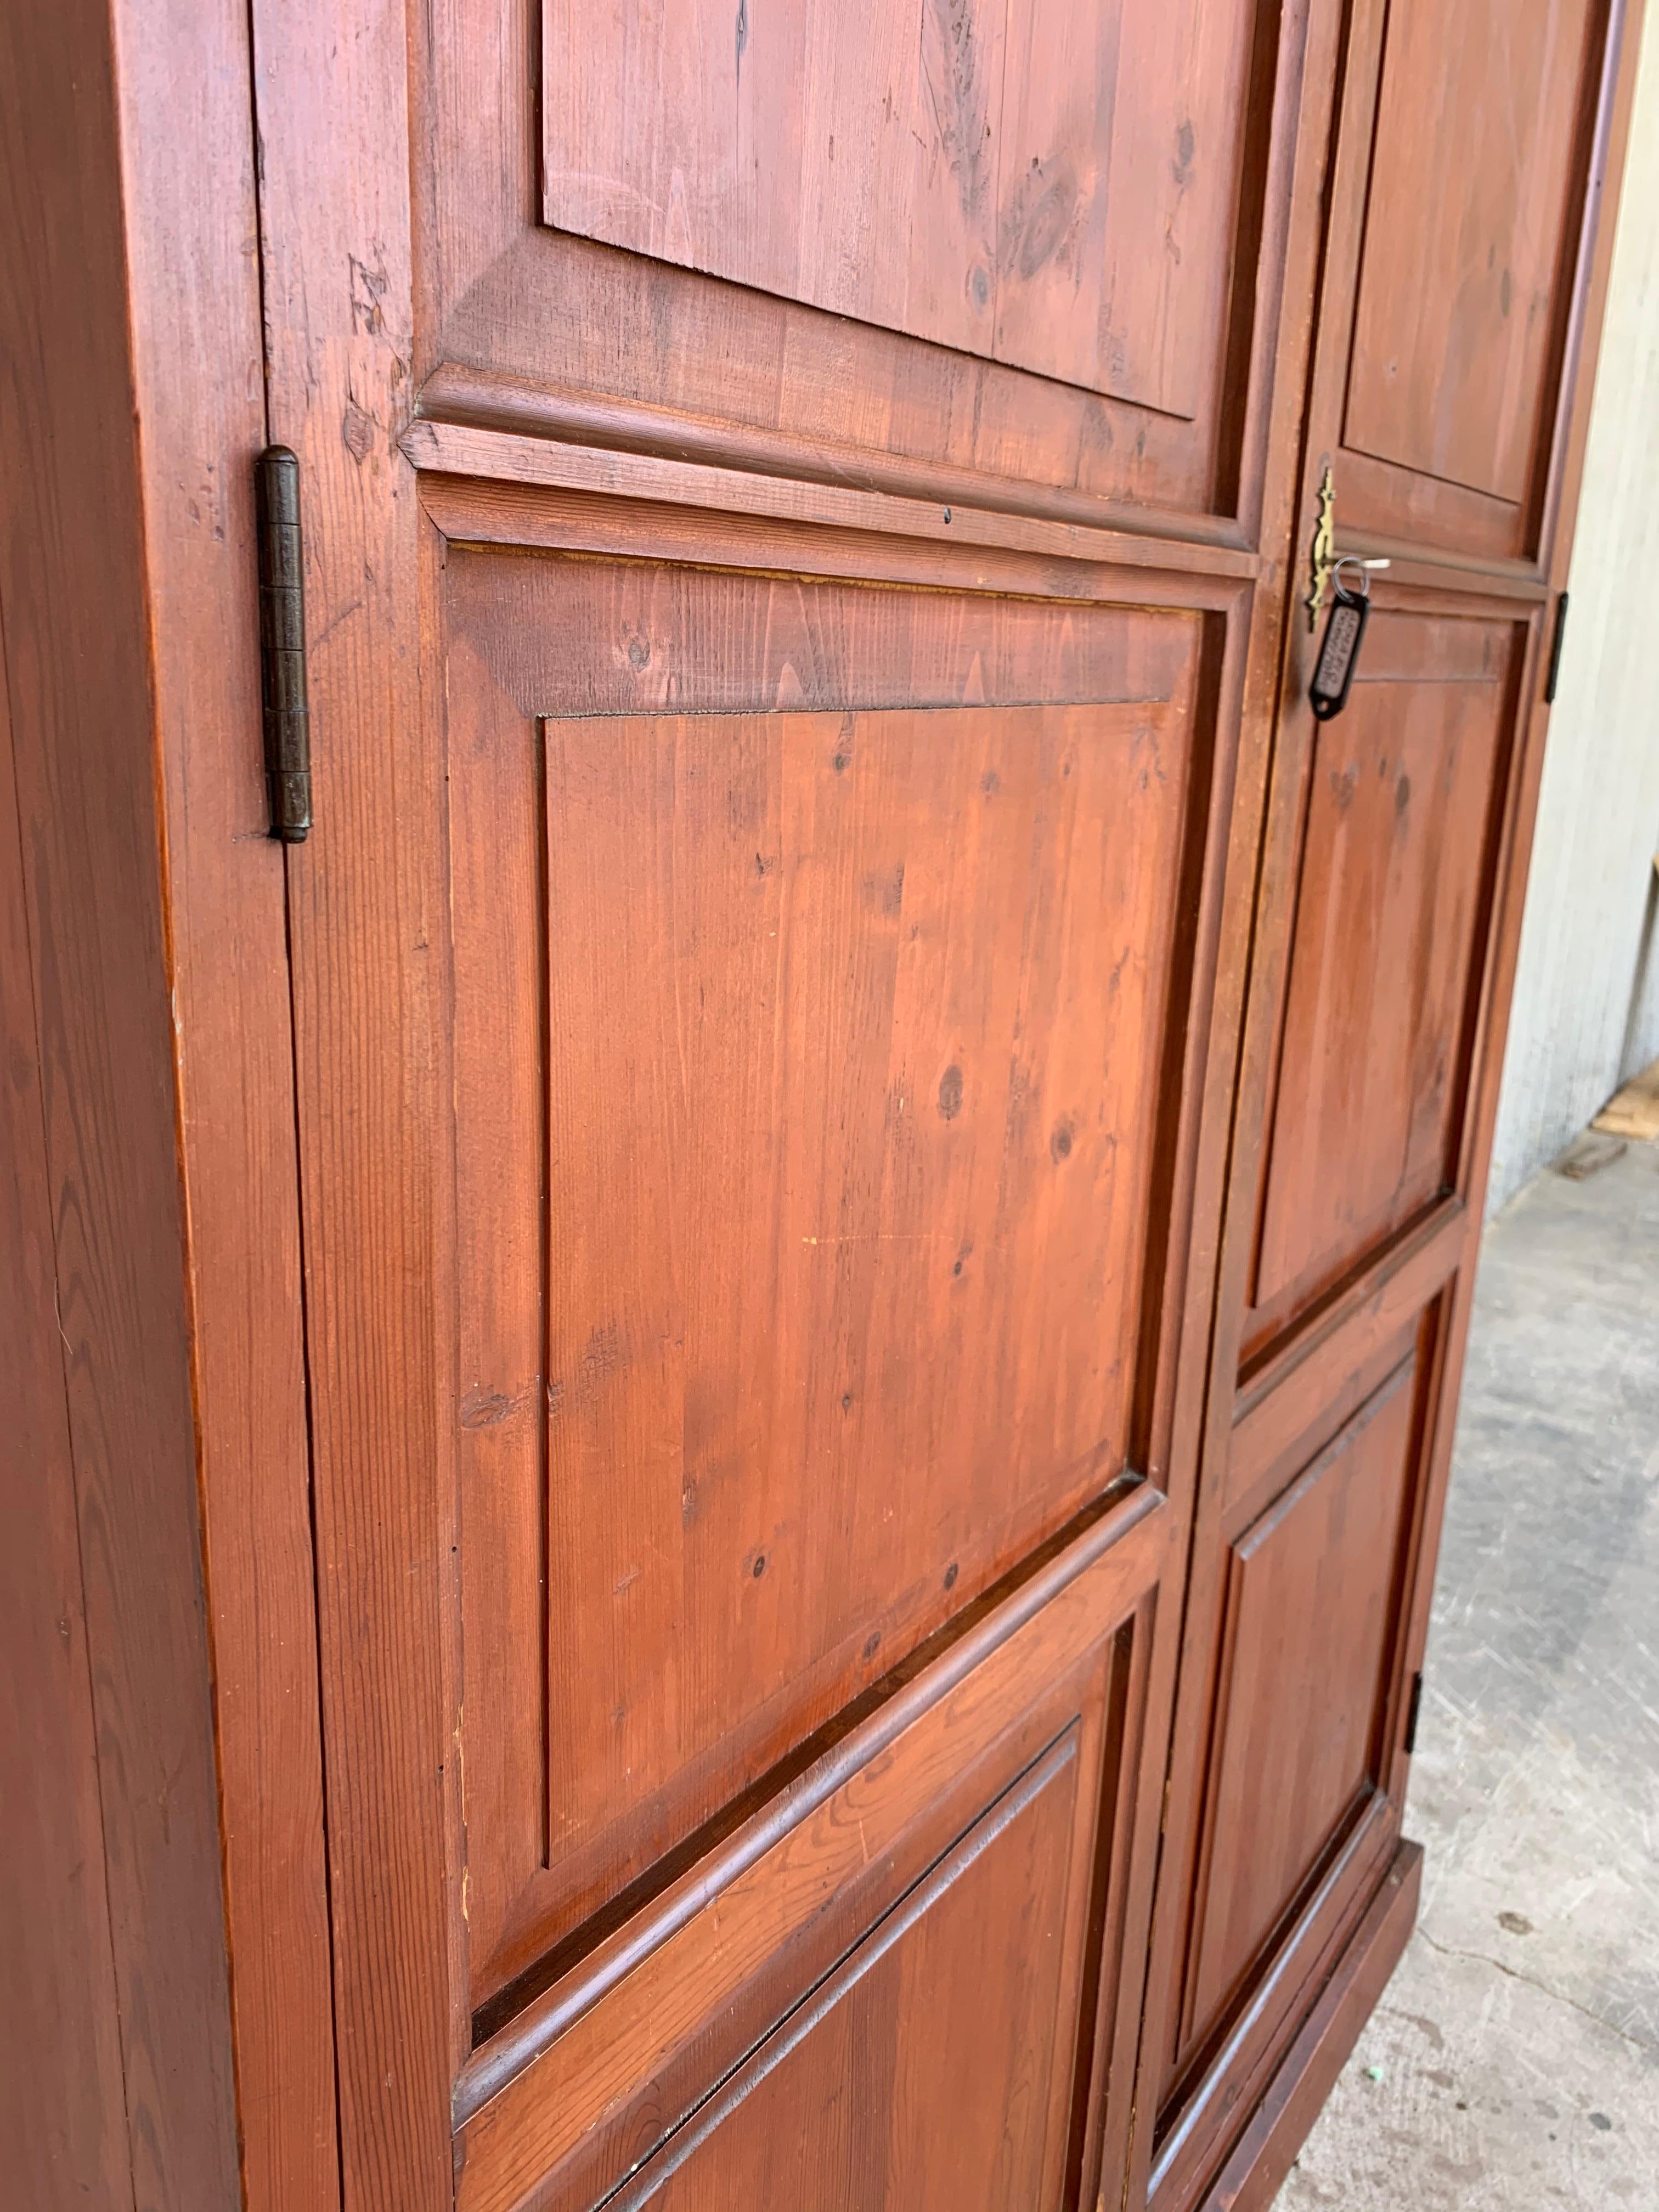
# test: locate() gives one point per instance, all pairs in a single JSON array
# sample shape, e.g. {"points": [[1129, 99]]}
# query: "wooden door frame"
{"points": [[133, 325]]}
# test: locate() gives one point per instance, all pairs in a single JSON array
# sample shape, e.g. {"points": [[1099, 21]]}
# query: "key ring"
{"points": [[1352, 560]]}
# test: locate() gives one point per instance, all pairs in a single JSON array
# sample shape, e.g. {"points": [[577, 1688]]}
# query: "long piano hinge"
{"points": [[282, 644]]}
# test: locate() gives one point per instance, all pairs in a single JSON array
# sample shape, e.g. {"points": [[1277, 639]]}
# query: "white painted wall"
{"points": [[1586, 1012]]}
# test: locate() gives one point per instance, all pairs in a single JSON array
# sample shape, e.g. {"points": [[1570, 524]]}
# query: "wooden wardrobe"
{"points": [[727, 1416]]}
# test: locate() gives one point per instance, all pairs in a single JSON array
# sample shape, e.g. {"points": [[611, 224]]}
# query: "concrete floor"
{"points": [[1514, 2060]]}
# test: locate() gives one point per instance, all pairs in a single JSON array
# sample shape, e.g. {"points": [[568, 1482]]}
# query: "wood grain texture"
{"points": [[486, 512], [377, 1202], [1290, 1390], [1310, 1627], [571, 342], [849, 165], [195, 281], [1456, 288], [1057, 1662], [1480, 548], [605, 334], [1306, 71], [989, 184], [861, 1737], [925, 2073], [61, 2102], [508, 445], [686, 612], [1621, 55], [75, 608], [847, 1113], [1263, 2156], [1223, 2082], [1404, 798], [367, 937], [1476, 132]]}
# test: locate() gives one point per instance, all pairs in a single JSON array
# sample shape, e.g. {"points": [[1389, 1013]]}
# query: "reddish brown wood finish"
{"points": [[1306, 1629], [838, 1179], [585, 1331], [1261, 2159], [1355, 1175], [1399, 843], [842, 1101], [558, 2107], [369, 953], [195, 287], [523, 325], [1465, 145], [61, 2092], [1470, 177], [989, 185], [100, 1170]]}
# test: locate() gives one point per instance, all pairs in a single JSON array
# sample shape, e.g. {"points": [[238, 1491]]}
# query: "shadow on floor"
{"points": [[1514, 2060]]}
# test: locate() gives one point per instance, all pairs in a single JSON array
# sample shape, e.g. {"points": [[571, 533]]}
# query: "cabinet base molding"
{"points": [[1276, 2131]]}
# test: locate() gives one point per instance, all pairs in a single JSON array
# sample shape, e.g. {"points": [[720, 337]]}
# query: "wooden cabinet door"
{"points": [[1467, 181], [783, 497], [1471, 147]]}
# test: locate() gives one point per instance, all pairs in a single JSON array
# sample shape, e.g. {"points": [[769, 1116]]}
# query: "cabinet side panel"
{"points": [[79, 692], [61, 2110]]}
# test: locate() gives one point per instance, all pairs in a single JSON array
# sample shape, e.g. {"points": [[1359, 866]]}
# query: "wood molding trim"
{"points": [[455, 396], [928, 1677], [1278, 2125], [499, 456]]}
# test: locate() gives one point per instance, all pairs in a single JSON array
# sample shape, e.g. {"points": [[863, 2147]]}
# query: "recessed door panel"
{"points": [[1468, 134], [1395, 858], [924, 2075], [1475, 137], [981, 249], [880, 1988], [1312, 1591], [806, 1082]]}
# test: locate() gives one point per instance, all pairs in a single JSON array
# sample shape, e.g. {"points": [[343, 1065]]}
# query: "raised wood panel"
{"points": [[805, 1208], [1260, 2160], [978, 1822], [987, 177], [1312, 1597], [924, 2075], [1469, 217], [1397, 848], [1464, 212], [1374, 1042], [782, 239]]}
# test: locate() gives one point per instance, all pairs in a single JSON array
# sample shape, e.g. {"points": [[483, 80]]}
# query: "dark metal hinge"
{"points": [[1412, 1711], [1554, 675], [283, 643]]}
